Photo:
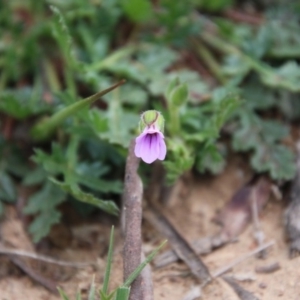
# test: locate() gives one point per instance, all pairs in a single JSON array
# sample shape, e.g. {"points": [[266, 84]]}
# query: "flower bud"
{"points": [[152, 118]]}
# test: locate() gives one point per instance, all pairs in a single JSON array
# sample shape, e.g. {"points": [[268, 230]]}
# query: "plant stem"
{"points": [[227, 48], [209, 60], [132, 210]]}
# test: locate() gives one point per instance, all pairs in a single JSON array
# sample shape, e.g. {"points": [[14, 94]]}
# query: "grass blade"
{"points": [[43, 129], [122, 293], [139, 269], [62, 294], [92, 294], [78, 296], [109, 261]]}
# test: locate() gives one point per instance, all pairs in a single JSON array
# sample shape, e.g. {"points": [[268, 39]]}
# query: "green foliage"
{"points": [[137, 10], [234, 87], [122, 292], [195, 130], [43, 129], [43, 204], [263, 137], [78, 194]]}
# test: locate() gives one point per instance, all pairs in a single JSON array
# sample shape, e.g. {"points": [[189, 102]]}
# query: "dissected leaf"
{"points": [[45, 200], [263, 138], [106, 205], [278, 160], [42, 224], [286, 76], [7, 188]]}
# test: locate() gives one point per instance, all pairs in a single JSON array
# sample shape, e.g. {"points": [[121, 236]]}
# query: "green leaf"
{"points": [[7, 188], [172, 84], [78, 296], [36, 176], [105, 186], [210, 158], [122, 293], [109, 261], [92, 293], [43, 129], [1, 208], [106, 205], [263, 138], [180, 159], [279, 161], [54, 163], [137, 10], [48, 197], [62, 294], [22, 103], [61, 32], [42, 224], [179, 95], [287, 77]]}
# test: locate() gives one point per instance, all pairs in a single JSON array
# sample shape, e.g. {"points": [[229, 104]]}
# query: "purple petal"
{"points": [[150, 146], [150, 149], [162, 148], [138, 144]]}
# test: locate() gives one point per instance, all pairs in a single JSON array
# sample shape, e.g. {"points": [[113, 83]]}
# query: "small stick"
{"points": [[132, 218], [179, 244], [268, 269], [147, 281], [240, 16], [200, 246], [226, 268], [47, 283], [44, 258], [241, 292], [258, 233], [292, 213]]}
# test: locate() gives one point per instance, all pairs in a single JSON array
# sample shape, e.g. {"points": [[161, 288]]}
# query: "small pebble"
{"points": [[262, 285]]}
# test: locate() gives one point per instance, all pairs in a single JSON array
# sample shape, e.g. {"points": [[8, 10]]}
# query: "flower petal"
{"points": [[162, 148], [138, 144], [150, 148]]}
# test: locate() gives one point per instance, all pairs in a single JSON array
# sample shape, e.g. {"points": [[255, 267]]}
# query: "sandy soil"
{"points": [[192, 214]]}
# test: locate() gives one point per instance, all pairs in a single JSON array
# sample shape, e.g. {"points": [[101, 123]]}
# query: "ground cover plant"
{"points": [[202, 81]]}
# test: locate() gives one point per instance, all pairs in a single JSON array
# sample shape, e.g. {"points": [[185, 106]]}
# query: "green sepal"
{"points": [[152, 117]]}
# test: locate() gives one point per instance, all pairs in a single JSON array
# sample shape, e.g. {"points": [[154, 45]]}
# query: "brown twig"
{"points": [[226, 268], [179, 244], [234, 218], [47, 283], [241, 292], [43, 258], [200, 246], [132, 218], [292, 213], [268, 268], [242, 17], [257, 229]]}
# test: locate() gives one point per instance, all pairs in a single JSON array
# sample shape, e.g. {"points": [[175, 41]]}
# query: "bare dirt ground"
{"points": [[192, 216]]}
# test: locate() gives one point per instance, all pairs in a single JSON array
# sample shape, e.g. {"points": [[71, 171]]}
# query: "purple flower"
{"points": [[150, 145]]}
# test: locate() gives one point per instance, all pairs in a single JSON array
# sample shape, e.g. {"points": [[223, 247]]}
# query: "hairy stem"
{"points": [[132, 219]]}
